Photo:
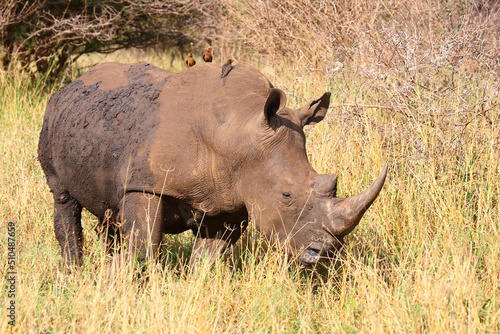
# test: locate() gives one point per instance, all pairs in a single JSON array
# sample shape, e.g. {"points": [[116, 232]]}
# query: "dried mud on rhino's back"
{"points": [[102, 120]]}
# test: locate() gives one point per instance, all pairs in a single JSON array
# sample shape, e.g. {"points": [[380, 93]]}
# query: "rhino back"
{"points": [[139, 128]]}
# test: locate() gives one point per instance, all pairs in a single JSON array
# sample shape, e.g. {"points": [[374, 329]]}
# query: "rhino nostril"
{"points": [[309, 256], [335, 246]]}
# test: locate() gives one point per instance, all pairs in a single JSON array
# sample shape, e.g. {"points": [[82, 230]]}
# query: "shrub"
{"points": [[45, 36]]}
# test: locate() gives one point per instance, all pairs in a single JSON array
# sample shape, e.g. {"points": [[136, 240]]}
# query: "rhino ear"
{"points": [[275, 101], [314, 111]]}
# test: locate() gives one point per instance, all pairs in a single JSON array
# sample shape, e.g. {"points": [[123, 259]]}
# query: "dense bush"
{"points": [[45, 36], [319, 31]]}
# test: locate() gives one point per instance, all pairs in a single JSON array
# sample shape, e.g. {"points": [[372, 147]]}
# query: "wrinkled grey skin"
{"points": [[156, 152]]}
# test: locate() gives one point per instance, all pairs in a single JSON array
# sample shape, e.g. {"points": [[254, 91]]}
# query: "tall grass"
{"points": [[425, 257]]}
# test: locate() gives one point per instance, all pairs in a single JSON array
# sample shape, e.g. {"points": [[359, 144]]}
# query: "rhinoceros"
{"points": [[158, 152]]}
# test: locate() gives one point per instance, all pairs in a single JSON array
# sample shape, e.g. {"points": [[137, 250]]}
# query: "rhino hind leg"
{"points": [[68, 227], [141, 217], [207, 249]]}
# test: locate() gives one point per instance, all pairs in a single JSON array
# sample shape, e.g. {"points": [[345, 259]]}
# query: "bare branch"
{"points": [[36, 34]]}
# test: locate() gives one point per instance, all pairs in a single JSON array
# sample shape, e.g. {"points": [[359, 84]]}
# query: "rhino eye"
{"points": [[286, 196]]}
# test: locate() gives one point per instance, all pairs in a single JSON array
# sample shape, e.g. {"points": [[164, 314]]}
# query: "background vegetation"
{"points": [[44, 37], [414, 83]]}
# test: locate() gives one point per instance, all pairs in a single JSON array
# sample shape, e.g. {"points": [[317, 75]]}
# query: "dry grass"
{"points": [[425, 258]]}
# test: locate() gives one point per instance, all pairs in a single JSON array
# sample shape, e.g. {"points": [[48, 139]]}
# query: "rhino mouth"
{"points": [[316, 252], [310, 256]]}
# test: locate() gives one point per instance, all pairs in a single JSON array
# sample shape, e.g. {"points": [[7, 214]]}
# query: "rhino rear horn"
{"points": [[314, 111], [348, 212], [326, 185]]}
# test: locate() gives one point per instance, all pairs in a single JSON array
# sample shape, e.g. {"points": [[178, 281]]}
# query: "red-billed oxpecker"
{"points": [[207, 57], [190, 61]]}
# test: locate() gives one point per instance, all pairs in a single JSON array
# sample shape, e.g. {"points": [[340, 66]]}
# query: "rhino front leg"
{"points": [[210, 244], [142, 224]]}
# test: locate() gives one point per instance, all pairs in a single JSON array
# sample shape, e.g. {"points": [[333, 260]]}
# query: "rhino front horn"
{"points": [[347, 212]]}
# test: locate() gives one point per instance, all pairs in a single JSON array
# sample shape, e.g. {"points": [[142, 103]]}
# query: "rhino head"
{"points": [[285, 197]]}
